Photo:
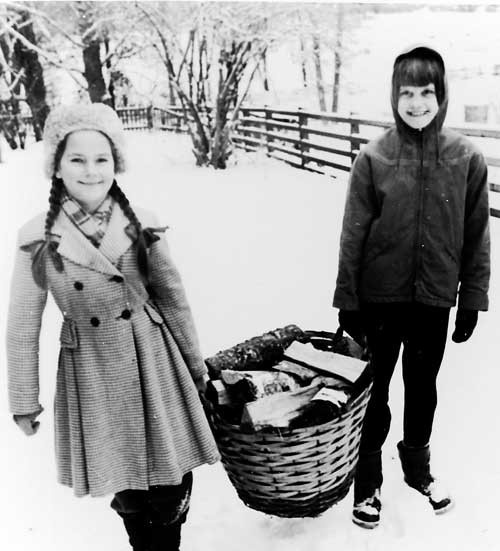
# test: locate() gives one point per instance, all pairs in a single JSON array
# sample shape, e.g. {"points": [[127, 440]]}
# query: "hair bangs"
{"points": [[420, 71]]}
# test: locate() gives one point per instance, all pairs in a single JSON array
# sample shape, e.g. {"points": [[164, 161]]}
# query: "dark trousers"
{"points": [[422, 331], [153, 517]]}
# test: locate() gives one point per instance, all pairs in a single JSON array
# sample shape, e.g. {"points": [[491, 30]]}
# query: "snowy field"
{"points": [[257, 246]]}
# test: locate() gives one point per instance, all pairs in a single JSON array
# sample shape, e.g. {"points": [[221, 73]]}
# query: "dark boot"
{"points": [[166, 537], [138, 528], [367, 483], [416, 468]]}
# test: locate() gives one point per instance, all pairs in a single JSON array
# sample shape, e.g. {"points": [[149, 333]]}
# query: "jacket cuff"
{"points": [[343, 301], [473, 301]]}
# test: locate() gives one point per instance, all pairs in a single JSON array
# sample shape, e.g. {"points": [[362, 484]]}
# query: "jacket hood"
{"points": [[422, 50]]}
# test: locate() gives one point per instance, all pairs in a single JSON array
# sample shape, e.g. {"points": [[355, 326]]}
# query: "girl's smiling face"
{"points": [[87, 167], [417, 105]]}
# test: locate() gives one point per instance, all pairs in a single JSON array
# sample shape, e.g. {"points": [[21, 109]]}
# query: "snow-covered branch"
{"points": [[42, 53], [25, 7]]}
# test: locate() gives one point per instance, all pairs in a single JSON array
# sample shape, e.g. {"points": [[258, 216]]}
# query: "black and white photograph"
{"points": [[249, 289]]}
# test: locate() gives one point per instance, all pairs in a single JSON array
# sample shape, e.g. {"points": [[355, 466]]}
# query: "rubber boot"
{"points": [[138, 528], [367, 483], [417, 474]]}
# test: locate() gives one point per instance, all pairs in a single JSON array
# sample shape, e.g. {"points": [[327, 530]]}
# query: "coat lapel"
{"points": [[76, 247]]}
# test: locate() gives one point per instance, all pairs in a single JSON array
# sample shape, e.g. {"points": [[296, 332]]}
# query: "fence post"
{"points": [[269, 117], [355, 144], [178, 119], [241, 125], [149, 115], [303, 135]]}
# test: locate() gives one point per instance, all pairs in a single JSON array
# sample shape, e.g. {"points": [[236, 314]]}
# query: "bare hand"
{"points": [[201, 384], [28, 423]]}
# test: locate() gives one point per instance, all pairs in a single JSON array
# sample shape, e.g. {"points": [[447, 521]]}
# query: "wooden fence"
{"points": [[317, 142], [148, 118], [328, 144]]}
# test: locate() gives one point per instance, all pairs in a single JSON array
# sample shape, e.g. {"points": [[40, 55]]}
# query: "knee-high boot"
{"points": [[417, 474]]}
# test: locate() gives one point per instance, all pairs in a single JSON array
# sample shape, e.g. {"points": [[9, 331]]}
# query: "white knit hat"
{"points": [[69, 118]]}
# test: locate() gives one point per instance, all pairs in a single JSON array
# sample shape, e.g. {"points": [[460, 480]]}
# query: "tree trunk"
{"points": [[264, 72], [111, 85], [93, 72], [319, 73], [33, 80], [303, 62], [336, 82], [171, 94], [91, 53], [338, 59]]}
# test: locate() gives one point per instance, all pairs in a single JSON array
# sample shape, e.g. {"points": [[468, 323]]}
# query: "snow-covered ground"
{"points": [[257, 245]]}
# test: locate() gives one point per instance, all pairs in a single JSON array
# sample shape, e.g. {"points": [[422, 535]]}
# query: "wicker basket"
{"points": [[294, 472]]}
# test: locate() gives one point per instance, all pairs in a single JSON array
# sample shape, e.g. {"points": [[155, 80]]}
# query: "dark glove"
{"points": [[351, 321], [465, 322]]}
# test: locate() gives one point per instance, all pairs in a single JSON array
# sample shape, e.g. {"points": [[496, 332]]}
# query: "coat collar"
{"points": [[76, 247]]}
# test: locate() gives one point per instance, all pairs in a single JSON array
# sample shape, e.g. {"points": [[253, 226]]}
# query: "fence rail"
{"points": [[327, 144], [316, 142]]}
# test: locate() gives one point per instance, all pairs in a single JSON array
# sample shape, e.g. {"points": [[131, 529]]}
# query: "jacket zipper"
{"points": [[418, 237]]}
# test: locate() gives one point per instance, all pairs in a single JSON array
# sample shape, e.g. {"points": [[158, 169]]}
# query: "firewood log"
{"points": [[217, 393], [327, 362], [277, 410], [246, 386], [258, 353], [304, 374], [325, 405]]}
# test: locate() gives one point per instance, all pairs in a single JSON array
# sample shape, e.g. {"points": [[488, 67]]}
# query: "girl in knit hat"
{"points": [[415, 235], [128, 417]]}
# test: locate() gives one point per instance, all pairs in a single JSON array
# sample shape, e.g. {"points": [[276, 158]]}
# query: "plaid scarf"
{"points": [[92, 225]]}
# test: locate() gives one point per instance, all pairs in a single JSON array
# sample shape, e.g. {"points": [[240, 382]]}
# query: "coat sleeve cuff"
{"points": [[343, 301], [473, 301], [199, 371]]}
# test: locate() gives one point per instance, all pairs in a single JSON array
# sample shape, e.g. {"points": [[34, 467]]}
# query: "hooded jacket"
{"points": [[416, 220]]}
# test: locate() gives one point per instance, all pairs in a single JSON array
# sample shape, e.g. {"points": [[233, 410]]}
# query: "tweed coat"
{"points": [[127, 412]]}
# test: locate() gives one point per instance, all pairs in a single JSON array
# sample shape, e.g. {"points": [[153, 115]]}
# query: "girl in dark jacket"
{"points": [[415, 236]]}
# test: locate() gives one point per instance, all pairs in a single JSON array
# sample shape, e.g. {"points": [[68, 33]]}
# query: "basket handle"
{"points": [[335, 337]]}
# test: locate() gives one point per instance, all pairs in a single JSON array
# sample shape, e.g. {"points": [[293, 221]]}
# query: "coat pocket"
{"points": [[153, 314], [68, 337]]}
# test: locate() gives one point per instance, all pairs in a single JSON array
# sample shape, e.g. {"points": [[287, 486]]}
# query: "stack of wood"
{"points": [[280, 380]]}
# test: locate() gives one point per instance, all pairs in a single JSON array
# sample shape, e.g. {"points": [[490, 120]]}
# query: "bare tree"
{"points": [[339, 38], [303, 64], [320, 85], [222, 49], [98, 33], [22, 73], [323, 32], [32, 75]]}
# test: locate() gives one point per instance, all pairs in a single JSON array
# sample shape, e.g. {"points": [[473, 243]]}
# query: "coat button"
{"points": [[126, 314], [78, 285], [117, 279], [95, 321]]}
